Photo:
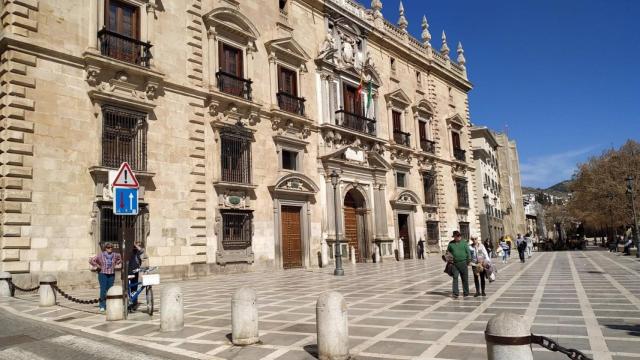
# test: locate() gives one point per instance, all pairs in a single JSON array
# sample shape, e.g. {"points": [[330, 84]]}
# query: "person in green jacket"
{"points": [[459, 250]]}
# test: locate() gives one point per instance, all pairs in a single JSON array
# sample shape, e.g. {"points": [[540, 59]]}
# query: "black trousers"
{"points": [[521, 253], [479, 280]]}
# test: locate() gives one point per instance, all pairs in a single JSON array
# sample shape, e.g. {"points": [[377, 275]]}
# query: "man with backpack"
{"points": [[521, 245]]}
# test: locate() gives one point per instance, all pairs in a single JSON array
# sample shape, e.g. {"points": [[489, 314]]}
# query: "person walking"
{"points": [[106, 263], [479, 258], [505, 250], [521, 245], [459, 250], [135, 262], [489, 247], [529, 240], [421, 249]]}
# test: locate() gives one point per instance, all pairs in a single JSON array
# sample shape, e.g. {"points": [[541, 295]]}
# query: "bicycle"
{"points": [[148, 280]]}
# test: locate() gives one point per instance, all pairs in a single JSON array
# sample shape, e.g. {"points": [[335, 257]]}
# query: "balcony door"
{"points": [[123, 19], [231, 60], [455, 140], [352, 100]]}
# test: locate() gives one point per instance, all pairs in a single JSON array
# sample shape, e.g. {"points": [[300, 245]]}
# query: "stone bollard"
{"points": [[324, 253], [353, 254], [376, 254], [171, 309], [400, 249], [332, 327], [47, 294], [5, 289], [244, 317], [511, 326], [115, 306]]}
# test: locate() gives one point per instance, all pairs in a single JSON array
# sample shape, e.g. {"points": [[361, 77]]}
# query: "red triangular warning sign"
{"points": [[125, 177]]}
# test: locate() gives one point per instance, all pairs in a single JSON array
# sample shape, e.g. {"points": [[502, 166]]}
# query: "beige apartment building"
{"points": [[233, 115], [510, 186], [487, 190]]}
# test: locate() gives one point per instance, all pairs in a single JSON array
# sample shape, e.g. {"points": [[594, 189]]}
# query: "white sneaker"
{"points": [[102, 311]]}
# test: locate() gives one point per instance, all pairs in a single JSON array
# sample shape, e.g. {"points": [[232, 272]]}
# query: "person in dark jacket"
{"points": [[135, 262]]}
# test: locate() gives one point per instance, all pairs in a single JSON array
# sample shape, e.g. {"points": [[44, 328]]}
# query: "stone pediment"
{"points": [[398, 96], [289, 47], [231, 20], [406, 198], [357, 156], [295, 184], [423, 106], [456, 119]]}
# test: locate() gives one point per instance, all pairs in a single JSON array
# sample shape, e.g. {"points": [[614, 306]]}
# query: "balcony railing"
{"points": [[459, 154], [428, 146], [355, 122], [124, 48], [290, 103], [402, 138], [234, 85]]}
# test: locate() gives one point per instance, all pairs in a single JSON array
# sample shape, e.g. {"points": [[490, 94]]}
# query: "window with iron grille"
{"points": [[114, 227], [124, 138], [429, 183], [464, 230], [235, 156], [462, 192], [433, 233], [401, 179], [236, 230]]}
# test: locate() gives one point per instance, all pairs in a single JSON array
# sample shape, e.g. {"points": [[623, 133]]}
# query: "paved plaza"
{"points": [[397, 310]]}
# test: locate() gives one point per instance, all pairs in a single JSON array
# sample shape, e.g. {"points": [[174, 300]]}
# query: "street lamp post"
{"points": [[339, 271], [630, 190], [486, 211]]}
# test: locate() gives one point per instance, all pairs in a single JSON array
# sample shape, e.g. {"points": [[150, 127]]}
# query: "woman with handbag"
{"points": [[479, 257]]}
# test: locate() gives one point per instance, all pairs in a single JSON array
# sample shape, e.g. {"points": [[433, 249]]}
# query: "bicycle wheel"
{"points": [[149, 297]]}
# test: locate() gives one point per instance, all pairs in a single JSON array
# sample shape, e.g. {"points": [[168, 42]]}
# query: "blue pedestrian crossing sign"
{"points": [[125, 201]]}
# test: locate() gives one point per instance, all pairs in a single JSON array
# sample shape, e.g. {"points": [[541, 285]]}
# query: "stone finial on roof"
{"points": [[402, 22], [376, 6], [445, 48], [426, 35], [461, 59]]}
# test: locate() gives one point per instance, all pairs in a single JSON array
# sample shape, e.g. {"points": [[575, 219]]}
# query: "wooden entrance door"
{"points": [[351, 224], [403, 232], [291, 237]]}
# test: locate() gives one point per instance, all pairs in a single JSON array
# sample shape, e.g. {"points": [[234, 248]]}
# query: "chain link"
{"points": [[549, 344], [15, 287], [74, 299]]}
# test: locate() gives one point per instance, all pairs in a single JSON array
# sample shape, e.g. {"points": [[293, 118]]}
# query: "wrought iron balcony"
{"points": [[290, 103], [356, 122], [459, 154], [402, 138], [234, 85], [124, 48], [428, 146]]}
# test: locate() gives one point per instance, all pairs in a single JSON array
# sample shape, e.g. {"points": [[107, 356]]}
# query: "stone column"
{"points": [[93, 25], [171, 309], [511, 326], [244, 317], [47, 294], [380, 211], [333, 100], [332, 327], [331, 224], [273, 71], [325, 101], [212, 67], [115, 305], [5, 289]]}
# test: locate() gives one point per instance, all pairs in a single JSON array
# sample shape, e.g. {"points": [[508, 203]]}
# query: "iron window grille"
{"points": [[433, 233], [464, 230], [236, 230], [124, 138], [236, 155], [462, 193], [112, 228], [429, 183]]}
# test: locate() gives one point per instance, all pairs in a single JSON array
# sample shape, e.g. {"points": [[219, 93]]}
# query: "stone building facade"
{"points": [[233, 116], [487, 191], [510, 186]]}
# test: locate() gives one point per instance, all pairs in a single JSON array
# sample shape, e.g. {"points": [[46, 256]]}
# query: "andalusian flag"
{"points": [[369, 110]]}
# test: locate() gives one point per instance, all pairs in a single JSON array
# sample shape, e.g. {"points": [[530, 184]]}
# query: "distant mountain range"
{"points": [[560, 189]]}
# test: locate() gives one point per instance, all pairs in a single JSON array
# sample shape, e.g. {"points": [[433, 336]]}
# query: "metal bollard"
{"points": [[171, 309], [376, 254], [508, 337], [353, 254], [244, 317], [47, 294], [400, 249], [5, 288], [324, 253], [115, 305], [332, 327]]}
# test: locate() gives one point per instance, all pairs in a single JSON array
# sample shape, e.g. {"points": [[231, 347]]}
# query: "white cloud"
{"points": [[546, 170]]}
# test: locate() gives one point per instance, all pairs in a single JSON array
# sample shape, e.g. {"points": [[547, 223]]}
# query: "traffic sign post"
{"points": [[125, 203]]}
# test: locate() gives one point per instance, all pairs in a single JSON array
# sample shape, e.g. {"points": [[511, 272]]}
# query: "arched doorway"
{"points": [[354, 222]]}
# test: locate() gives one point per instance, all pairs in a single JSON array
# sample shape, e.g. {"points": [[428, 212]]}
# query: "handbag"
{"points": [[448, 268]]}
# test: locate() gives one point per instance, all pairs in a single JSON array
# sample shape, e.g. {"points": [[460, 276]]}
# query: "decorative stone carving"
{"points": [[328, 47], [93, 72], [151, 89], [233, 199]]}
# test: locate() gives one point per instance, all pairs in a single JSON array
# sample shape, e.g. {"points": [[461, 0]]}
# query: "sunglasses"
{"points": [[109, 247]]}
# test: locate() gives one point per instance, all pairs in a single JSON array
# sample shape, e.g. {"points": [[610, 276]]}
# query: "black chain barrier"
{"points": [[543, 341], [15, 287], [74, 299]]}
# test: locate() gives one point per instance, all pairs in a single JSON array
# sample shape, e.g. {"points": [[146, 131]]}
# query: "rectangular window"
{"points": [[287, 82], [401, 179], [429, 183], [113, 227], [464, 230], [433, 233], [121, 34], [462, 193], [230, 60], [122, 18], [289, 160], [397, 120], [236, 229], [236, 158], [352, 100], [422, 128], [455, 140], [124, 138]]}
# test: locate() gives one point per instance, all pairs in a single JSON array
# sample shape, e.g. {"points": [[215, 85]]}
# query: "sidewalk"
{"points": [[397, 310]]}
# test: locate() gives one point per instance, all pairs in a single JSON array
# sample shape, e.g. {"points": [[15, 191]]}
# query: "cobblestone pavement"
{"points": [[397, 310]]}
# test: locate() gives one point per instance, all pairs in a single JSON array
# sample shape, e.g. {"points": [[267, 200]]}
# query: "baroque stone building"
{"points": [[510, 186], [233, 116], [487, 191]]}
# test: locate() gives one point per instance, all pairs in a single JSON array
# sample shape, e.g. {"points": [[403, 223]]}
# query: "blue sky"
{"points": [[563, 74]]}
